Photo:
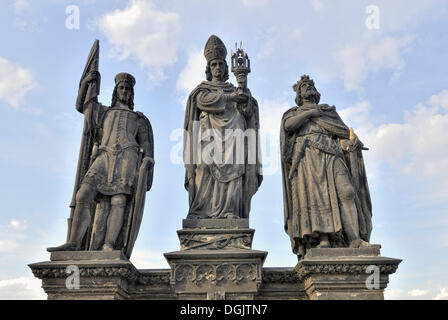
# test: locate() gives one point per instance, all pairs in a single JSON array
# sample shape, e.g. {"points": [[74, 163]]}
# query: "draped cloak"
{"points": [[217, 187], [311, 157]]}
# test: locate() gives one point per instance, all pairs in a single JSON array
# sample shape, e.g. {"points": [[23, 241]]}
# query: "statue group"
{"points": [[326, 196]]}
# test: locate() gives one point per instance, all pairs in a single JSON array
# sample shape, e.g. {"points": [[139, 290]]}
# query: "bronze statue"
{"points": [[326, 195], [222, 181], [115, 167]]}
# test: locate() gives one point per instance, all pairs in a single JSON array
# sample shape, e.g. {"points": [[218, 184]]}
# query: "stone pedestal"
{"points": [[86, 275], [216, 260], [345, 273]]}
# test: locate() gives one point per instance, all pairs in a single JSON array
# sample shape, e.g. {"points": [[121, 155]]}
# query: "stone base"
{"points": [[86, 275], [345, 273], [215, 234], [323, 274], [216, 274], [216, 260]]}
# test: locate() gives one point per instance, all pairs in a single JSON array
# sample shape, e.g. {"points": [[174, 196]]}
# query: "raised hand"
{"points": [[239, 97], [92, 76]]}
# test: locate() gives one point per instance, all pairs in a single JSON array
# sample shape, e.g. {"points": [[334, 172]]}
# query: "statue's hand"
{"points": [[92, 76], [239, 97], [314, 113], [150, 161], [346, 144], [352, 144]]}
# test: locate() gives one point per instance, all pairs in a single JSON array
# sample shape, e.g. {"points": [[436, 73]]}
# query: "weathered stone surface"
{"points": [[102, 276], [321, 278], [215, 223], [215, 238], [222, 171], [334, 274], [326, 195], [115, 167], [281, 284], [236, 273], [87, 255]]}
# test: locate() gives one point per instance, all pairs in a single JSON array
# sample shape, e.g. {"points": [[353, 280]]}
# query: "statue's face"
{"points": [[307, 91], [217, 69], [124, 92]]}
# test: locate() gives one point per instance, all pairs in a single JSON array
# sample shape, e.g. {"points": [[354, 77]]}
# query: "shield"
{"points": [[139, 204]]}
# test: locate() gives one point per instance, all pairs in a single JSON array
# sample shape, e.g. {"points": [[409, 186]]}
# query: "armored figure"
{"points": [[222, 181], [326, 195], [115, 167]]}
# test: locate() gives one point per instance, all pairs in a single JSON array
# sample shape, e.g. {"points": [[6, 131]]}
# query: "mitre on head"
{"points": [[125, 77], [215, 49]]}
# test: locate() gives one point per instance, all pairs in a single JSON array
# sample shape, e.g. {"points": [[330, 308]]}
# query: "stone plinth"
{"points": [[215, 234], [345, 273], [216, 260], [102, 275]]}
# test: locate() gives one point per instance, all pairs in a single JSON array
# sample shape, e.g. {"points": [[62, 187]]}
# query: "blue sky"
{"points": [[388, 83]]}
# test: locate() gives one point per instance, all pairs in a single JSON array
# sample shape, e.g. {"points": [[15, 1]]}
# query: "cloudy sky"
{"points": [[383, 66]]}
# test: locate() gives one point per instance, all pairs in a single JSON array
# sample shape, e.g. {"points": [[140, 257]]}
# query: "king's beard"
{"points": [[311, 96]]}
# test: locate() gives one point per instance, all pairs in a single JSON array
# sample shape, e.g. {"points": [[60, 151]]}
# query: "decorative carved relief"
{"points": [[215, 273], [208, 241]]}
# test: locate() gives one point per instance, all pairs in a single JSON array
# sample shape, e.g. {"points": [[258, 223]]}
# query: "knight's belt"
{"points": [[117, 148]]}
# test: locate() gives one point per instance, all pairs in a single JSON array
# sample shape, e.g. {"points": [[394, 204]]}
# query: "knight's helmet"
{"points": [[215, 49]]}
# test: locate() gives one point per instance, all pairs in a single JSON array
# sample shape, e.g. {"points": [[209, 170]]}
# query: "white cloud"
{"points": [[17, 225], [15, 82], [442, 295], [418, 293], [20, 5], [358, 116], [271, 112], [393, 294], [317, 5], [23, 288], [145, 33], [193, 73], [414, 147], [361, 58], [8, 245]]}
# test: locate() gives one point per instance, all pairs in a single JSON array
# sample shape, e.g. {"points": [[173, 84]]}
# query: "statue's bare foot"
{"points": [[324, 241], [64, 247], [324, 244], [107, 247], [358, 243]]}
